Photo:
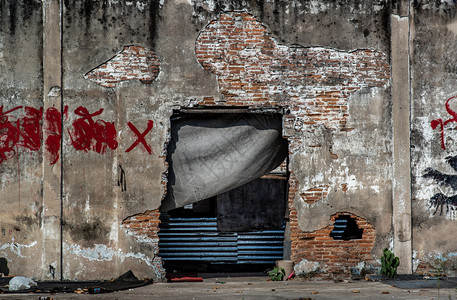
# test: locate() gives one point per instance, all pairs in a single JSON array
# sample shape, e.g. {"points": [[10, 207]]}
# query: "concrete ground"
{"points": [[259, 288]]}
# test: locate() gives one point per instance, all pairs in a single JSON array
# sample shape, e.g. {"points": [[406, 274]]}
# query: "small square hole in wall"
{"points": [[345, 228]]}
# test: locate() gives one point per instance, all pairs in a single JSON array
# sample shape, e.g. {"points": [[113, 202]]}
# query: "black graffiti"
{"points": [[52, 271], [122, 182], [439, 200]]}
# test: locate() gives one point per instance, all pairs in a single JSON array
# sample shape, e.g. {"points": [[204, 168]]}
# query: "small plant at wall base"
{"points": [[389, 263], [438, 269], [277, 274]]}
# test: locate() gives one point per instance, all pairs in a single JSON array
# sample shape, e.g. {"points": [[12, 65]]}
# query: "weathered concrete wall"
{"points": [[342, 84], [21, 103], [333, 138], [433, 136]]}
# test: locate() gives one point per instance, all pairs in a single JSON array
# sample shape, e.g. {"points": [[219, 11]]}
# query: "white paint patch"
{"points": [[416, 261], [103, 253], [400, 18], [140, 5], [211, 4], [316, 7], [141, 238], [184, 2], [452, 27], [318, 178], [114, 232], [352, 183], [16, 248], [305, 267], [452, 213], [377, 8], [87, 205], [375, 188]]}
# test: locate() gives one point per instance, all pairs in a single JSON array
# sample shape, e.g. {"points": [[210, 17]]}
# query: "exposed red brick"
{"points": [[338, 256], [315, 194], [143, 225], [424, 268], [133, 62], [314, 83]]}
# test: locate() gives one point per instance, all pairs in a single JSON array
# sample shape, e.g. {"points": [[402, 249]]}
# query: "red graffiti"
{"points": [[140, 136], [24, 132], [54, 133], [29, 129], [439, 122], [93, 135], [87, 134], [9, 135]]}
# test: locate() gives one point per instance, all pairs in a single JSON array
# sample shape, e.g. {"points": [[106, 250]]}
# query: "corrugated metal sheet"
{"points": [[197, 239]]}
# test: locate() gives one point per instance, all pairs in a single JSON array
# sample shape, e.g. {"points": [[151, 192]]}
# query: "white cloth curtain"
{"points": [[213, 153]]}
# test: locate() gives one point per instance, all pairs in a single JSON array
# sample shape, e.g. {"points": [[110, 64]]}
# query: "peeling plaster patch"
{"points": [[416, 261], [305, 267], [352, 183], [377, 8], [332, 254], [448, 2], [391, 243], [375, 188], [435, 255], [99, 252], [143, 227], [210, 4], [139, 4], [318, 178], [16, 248], [253, 69], [144, 239], [184, 1], [141, 238], [315, 194], [452, 27], [114, 232], [103, 253], [317, 7], [400, 18], [87, 204], [133, 62]]}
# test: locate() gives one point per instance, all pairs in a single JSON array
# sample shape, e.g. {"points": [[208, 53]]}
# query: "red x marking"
{"points": [[140, 136]]}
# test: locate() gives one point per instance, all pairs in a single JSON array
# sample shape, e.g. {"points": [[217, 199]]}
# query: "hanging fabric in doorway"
{"points": [[213, 153]]}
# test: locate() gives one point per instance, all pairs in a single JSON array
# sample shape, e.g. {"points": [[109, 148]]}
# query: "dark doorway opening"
{"points": [[220, 234], [240, 229]]}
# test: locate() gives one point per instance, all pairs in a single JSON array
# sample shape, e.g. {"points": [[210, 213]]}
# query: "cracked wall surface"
{"points": [[433, 147], [85, 117], [113, 120]]}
